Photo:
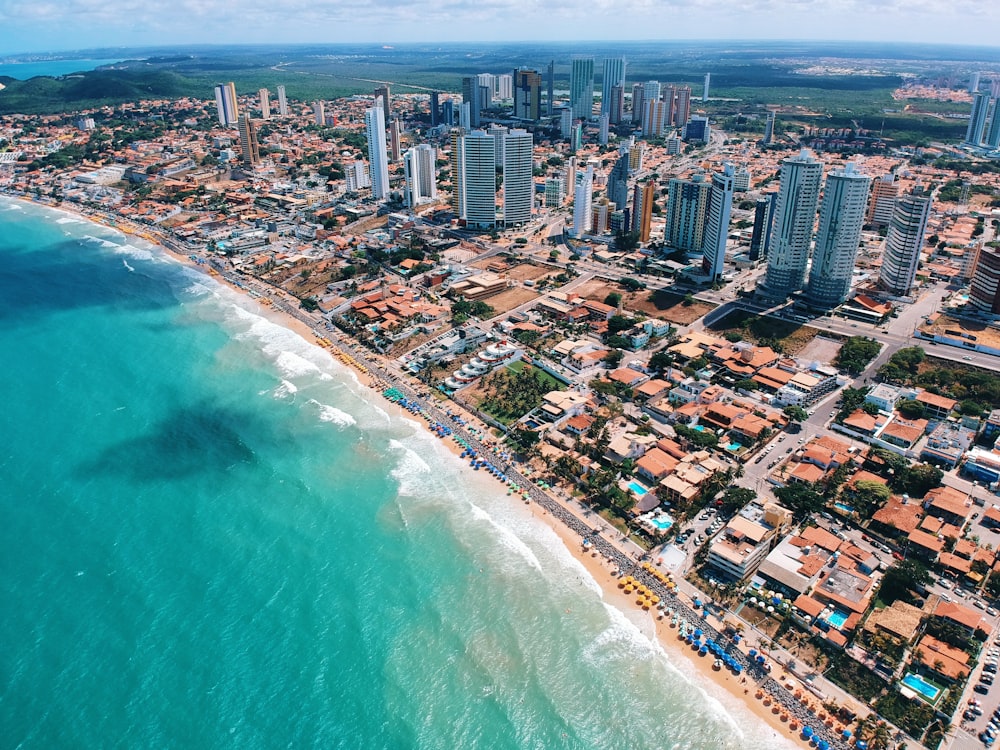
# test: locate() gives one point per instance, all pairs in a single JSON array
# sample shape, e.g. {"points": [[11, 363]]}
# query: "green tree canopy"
{"points": [[901, 580], [795, 413], [801, 499], [856, 353]]}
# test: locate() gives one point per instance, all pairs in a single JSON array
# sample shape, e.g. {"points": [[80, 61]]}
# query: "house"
{"points": [[903, 433], [938, 407], [627, 376], [885, 397], [968, 620], [948, 504], [942, 659], [744, 543], [655, 464], [947, 444], [900, 620], [899, 516]]}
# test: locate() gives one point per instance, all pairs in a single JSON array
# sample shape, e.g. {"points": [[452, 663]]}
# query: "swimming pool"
{"points": [[699, 428], [837, 618], [637, 488], [733, 447], [845, 508], [662, 522], [918, 683]]}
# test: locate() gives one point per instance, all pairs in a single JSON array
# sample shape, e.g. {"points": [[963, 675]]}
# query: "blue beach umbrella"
{"points": [[847, 734], [807, 732], [823, 745]]}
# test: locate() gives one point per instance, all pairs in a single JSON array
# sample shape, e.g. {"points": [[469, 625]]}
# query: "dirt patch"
{"points": [[785, 336], [529, 272], [821, 349], [510, 298], [656, 304]]}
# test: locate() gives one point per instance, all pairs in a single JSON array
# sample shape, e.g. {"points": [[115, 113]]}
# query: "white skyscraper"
{"points": [[356, 176], [378, 156], [421, 178], [977, 119], [974, 83], [265, 104], [282, 102], [720, 203], [704, 90], [904, 242], [993, 137], [226, 104], [319, 113], [518, 186], [478, 179], [604, 123], [614, 75], [505, 86], [581, 87], [566, 122], [841, 217], [583, 197], [794, 215]]}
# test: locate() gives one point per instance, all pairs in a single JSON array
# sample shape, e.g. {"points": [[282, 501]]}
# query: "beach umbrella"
{"points": [[697, 602], [847, 734], [703, 650], [861, 745], [753, 652], [738, 667], [760, 658], [807, 732], [697, 633], [823, 745]]}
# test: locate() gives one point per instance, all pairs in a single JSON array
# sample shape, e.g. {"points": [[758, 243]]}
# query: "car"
{"points": [[960, 593], [758, 459], [945, 583], [992, 611], [978, 604], [987, 679], [945, 598], [967, 358], [789, 450], [981, 688], [990, 668]]}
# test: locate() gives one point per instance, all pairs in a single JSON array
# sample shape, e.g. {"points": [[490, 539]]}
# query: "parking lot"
{"points": [[980, 720]]}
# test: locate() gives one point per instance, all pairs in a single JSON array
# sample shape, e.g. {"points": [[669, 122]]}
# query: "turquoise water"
{"points": [[24, 71], [845, 508], [838, 618], [663, 524], [213, 537], [918, 683], [637, 488], [699, 427]]}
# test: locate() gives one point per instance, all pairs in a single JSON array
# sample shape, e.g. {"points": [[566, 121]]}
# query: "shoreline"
{"points": [[602, 557]]}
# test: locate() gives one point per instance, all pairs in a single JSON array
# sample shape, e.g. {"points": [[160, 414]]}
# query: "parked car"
{"points": [[981, 688]]}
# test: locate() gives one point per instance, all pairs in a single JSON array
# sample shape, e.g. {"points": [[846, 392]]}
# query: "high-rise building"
{"points": [[576, 139], [471, 95], [383, 91], [903, 243], [583, 202], [600, 219], [498, 131], [264, 96], [604, 129], [995, 88], [741, 179], [356, 176], [616, 107], [435, 109], [841, 218], [638, 101], [420, 167], [768, 128], [571, 176], [686, 213], [636, 154], [478, 180], [550, 105], [977, 120], [282, 102], [653, 118], [993, 136], [465, 116], [642, 208], [395, 140], [487, 88], [984, 290], [682, 105], [720, 204], [518, 185], [248, 140], [794, 215], [448, 112], [378, 157], [581, 87], [455, 162], [226, 104], [505, 88], [319, 113], [760, 235], [618, 181], [650, 92], [698, 129], [614, 75], [566, 123], [884, 192], [704, 90], [527, 94], [555, 192], [974, 83]]}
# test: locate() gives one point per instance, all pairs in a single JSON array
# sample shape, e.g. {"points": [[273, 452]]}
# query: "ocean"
{"points": [[22, 71], [215, 537]]}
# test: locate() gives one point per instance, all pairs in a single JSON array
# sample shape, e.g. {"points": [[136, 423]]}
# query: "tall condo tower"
{"points": [[435, 109], [638, 98], [550, 88], [471, 95], [993, 137], [225, 102], [841, 217], [984, 289], [686, 212], [720, 203], [583, 197], [319, 113], [581, 87], [478, 180], [704, 89], [682, 106], [614, 75], [977, 120], [885, 190], [616, 107], [527, 94], [794, 214], [378, 157], [903, 243], [265, 104], [768, 128], [518, 186], [760, 236], [282, 102], [383, 91], [395, 140], [248, 141], [420, 168], [974, 83], [642, 208]]}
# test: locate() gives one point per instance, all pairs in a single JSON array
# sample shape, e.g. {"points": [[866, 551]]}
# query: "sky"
{"points": [[59, 25]]}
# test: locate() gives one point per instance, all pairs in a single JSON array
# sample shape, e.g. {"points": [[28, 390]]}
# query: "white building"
{"points": [[720, 204], [420, 166], [582, 203], [378, 156], [518, 186], [614, 75], [904, 242], [226, 104], [264, 96], [581, 87], [282, 102], [478, 179]]}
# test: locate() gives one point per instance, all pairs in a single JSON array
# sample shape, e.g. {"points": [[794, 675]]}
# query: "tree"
{"points": [[613, 299], [613, 358], [795, 413], [626, 242], [619, 323], [917, 480], [850, 399], [661, 360], [867, 496], [700, 438], [902, 579], [856, 353], [911, 409], [801, 499], [735, 498], [745, 384]]}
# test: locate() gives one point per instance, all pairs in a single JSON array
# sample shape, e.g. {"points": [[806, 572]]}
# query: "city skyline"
{"points": [[84, 24]]}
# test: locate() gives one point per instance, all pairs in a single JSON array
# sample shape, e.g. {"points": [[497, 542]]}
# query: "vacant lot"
{"points": [[784, 335], [510, 298], [822, 349], [659, 304]]}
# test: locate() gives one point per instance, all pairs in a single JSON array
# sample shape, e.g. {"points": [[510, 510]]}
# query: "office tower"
{"points": [[642, 208], [356, 176], [566, 123], [518, 185], [616, 108], [571, 172], [581, 87], [448, 112], [455, 162], [465, 116], [497, 131], [435, 110], [527, 94], [614, 75], [582, 203], [378, 158], [604, 125], [841, 217], [265, 104], [471, 95], [768, 128], [974, 83], [421, 174], [704, 90], [698, 129], [760, 236], [618, 181], [984, 289], [672, 145], [248, 140], [505, 88], [993, 137], [653, 118], [600, 216], [638, 101], [555, 192], [884, 193], [478, 180], [282, 102], [576, 140], [686, 213], [669, 96], [794, 215], [319, 113], [226, 104], [487, 86], [383, 91], [720, 204], [904, 242], [682, 105], [551, 83], [977, 120], [395, 140]]}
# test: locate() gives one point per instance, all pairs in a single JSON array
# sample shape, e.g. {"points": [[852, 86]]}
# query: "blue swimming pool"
{"points": [[699, 428], [732, 447], [838, 618], [638, 489], [918, 683], [662, 523], [845, 508]]}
